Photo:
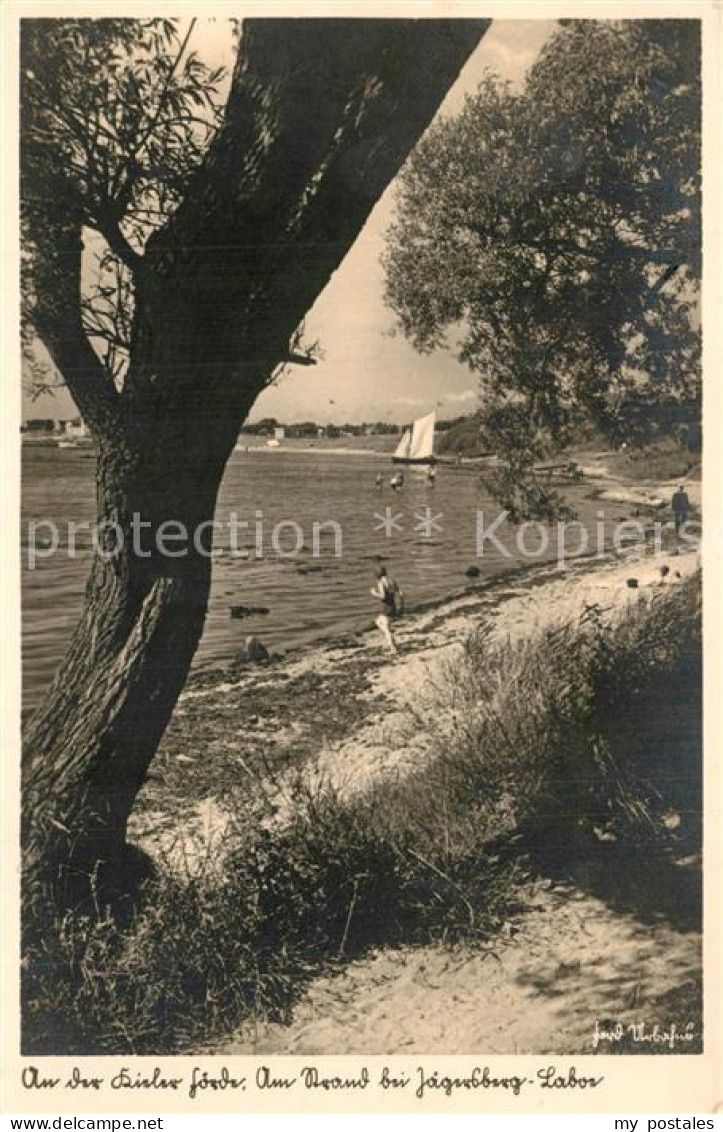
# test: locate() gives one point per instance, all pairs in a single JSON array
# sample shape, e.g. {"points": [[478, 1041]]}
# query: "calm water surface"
{"points": [[308, 595]]}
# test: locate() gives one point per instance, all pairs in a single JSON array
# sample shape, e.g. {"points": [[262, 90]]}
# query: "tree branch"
{"points": [[109, 228], [131, 159], [294, 359], [665, 277], [57, 319], [619, 253]]}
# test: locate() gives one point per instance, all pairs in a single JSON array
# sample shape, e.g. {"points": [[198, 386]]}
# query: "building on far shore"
{"points": [[48, 428], [76, 429]]}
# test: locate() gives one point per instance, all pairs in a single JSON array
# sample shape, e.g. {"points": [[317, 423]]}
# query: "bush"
{"points": [[211, 949], [552, 736]]}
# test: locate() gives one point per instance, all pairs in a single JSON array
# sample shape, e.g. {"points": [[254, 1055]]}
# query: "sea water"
{"points": [[322, 502]]}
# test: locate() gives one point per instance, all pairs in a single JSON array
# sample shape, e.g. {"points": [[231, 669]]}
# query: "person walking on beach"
{"points": [[392, 599], [431, 475], [380, 481], [681, 506]]}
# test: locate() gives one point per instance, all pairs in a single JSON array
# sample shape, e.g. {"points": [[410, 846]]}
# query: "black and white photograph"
{"points": [[361, 516]]}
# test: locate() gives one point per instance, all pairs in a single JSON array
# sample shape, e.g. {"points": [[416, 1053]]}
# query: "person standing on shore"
{"points": [[681, 506], [392, 599], [380, 481]]}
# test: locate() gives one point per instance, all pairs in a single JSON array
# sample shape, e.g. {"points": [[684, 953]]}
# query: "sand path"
{"points": [[570, 961]]}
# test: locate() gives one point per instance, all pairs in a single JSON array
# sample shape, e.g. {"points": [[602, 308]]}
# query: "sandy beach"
{"points": [[339, 718]]}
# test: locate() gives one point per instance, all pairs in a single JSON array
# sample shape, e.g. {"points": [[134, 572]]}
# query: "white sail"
{"points": [[402, 449], [422, 442]]}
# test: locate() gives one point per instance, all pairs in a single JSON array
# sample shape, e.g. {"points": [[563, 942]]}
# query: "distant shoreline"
{"points": [[287, 447], [310, 450]]}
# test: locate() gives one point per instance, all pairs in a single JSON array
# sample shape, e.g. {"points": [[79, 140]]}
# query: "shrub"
{"points": [[551, 736], [212, 948]]}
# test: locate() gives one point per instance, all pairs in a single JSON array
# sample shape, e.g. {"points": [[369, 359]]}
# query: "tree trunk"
{"points": [[88, 749]]}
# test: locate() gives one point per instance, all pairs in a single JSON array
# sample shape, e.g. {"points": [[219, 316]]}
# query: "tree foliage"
{"points": [[556, 232], [116, 119]]}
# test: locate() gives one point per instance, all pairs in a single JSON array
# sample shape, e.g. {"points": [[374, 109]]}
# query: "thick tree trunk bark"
{"points": [[88, 749]]}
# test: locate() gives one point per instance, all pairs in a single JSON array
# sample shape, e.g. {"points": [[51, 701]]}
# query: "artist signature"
{"points": [[641, 1032]]}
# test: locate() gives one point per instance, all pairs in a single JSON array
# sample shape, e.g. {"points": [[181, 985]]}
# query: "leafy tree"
{"points": [[305, 428], [209, 232], [556, 232], [267, 425]]}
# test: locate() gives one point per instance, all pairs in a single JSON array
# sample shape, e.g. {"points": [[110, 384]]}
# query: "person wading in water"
{"points": [[392, 601]]}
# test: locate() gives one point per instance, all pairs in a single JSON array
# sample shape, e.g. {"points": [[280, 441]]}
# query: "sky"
{"points": [[367, 371]]}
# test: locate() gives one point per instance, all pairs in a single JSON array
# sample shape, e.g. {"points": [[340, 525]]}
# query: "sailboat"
{"points": [[417, 443]]}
